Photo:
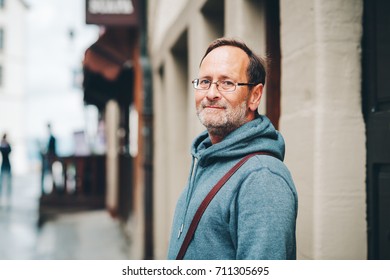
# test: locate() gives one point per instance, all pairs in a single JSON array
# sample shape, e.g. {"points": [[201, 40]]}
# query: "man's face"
{"points": [[223, 112]]}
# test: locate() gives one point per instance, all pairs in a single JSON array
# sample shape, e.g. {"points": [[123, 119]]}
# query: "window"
{"points": [[1, 75], [1, 38], [2, 4]]}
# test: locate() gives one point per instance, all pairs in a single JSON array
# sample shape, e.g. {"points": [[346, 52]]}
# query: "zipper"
{"points": [[180, 231]]}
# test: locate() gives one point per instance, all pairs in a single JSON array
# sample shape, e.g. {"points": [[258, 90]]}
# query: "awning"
{"points": [[108, 68]]}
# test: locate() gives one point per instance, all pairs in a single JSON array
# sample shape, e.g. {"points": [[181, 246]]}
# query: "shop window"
{"points": [[1, 76], [1, 38]]}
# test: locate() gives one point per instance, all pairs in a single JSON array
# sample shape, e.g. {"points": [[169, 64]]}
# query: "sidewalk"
{"points": [[83, 236], [91, 235]]}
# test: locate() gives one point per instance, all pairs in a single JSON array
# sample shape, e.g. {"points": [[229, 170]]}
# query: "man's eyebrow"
{"points": [[226, 77], [222, 77]]}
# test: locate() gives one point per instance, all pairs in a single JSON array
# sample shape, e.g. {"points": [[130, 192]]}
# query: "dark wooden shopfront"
{"points": [[376, 108]]}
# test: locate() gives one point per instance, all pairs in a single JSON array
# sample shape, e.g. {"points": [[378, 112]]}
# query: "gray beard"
{"points": [[222, 126]]}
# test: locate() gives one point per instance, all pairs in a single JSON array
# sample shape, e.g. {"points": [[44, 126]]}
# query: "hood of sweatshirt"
{"points": [[254, 136]]}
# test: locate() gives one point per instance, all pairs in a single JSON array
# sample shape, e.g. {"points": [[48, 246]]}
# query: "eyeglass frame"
{"points": [[217, 83]]}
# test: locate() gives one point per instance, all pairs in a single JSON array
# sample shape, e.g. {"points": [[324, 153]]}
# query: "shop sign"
{"points": [[112, 12]]}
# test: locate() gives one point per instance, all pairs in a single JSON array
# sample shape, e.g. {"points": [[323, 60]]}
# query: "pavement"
{"points": [[88, 235]]}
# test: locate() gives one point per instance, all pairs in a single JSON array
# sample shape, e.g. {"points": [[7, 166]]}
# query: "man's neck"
{"points": [[216, 138]]}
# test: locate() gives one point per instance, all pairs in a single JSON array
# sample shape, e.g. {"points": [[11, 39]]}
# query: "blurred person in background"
{"points": [[51, 146], [5, 172], [48, 156]]}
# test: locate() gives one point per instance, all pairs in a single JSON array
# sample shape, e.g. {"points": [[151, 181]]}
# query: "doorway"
{"points": [[376, 109]]}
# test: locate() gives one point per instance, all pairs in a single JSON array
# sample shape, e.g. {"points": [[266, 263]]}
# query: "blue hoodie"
{"points": [[254, 215]]}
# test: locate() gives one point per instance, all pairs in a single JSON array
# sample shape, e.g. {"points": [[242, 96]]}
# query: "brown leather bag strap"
{"points": [[207, 200]]}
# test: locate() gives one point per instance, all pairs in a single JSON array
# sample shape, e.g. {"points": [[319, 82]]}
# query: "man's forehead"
{"points": [[225, 59], [227, 51]]}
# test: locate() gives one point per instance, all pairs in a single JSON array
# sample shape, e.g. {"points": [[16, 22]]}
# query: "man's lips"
{"points": [[213, 107]]}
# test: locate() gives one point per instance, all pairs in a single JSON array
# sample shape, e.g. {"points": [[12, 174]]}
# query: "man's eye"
{"points": [[204, 82], [227, 83]]}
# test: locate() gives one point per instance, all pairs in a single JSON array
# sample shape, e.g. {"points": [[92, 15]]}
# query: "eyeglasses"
{"points": [[224, 85]]}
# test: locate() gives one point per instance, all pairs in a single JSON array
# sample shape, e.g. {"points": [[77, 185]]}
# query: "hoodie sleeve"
{"points": [[266, 209]]}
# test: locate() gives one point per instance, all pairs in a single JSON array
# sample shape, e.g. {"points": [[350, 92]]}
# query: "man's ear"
{"points": [[254, 99]]}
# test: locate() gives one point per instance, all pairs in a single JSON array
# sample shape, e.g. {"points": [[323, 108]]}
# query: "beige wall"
{"points": [[323, 125], [321, 117]]}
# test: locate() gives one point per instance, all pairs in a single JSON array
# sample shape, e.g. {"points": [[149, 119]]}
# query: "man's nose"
{"points": [[213, 92]]}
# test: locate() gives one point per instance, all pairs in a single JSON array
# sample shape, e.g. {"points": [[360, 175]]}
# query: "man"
{"points": [[51, 146], [253, 216], [5, 171], [48, 157]]}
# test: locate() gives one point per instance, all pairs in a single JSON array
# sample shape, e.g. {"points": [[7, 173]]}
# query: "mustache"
{"points": [[211, 103]]}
